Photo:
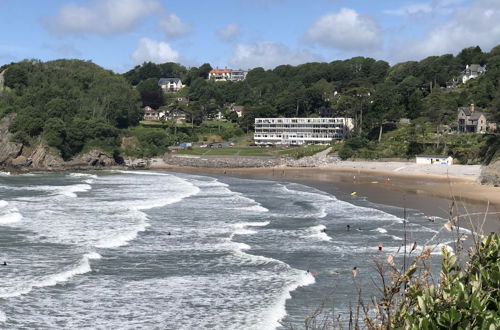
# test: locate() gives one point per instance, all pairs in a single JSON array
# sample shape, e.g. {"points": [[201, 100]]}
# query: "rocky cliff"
{"points": [[490, 175], [20, 157]]}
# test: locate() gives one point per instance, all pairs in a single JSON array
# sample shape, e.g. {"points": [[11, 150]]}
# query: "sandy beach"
{"points": [[432, 189]]}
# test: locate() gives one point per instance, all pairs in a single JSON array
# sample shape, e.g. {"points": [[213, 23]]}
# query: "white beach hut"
{"points": [[432, 159]]}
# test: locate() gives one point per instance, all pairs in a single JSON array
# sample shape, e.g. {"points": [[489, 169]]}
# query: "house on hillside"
{"points": [[177, 116], [220, 74], [472, 119], [227, 74], [170, 85], [238, 109], [472, 71], [151, 114], [238, 75]]}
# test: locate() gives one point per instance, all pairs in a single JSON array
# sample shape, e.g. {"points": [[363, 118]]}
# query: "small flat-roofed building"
{"points": [[432, 159], [298, 131]]}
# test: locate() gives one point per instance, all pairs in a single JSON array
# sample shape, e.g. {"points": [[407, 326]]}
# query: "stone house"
{"points": [[472, 119]]}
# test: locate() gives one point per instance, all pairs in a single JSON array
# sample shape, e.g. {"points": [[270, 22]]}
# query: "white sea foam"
{"points": [[317, 233], [82, 267], [70, 191], [10, 217], [122, 238], [3, 317], [242, 228], [272, 317], [380, 230], [4, 173], [141, 172], [3, 203], [83, 175]]}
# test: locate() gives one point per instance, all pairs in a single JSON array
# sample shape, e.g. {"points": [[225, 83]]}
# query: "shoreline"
{"points": [[432, 194]]}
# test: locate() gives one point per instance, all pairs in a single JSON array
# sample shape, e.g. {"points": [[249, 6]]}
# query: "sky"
{"points": [[242, 34]]}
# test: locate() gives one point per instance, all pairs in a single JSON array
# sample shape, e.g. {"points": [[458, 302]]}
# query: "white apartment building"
{"points": [[298, 131]]}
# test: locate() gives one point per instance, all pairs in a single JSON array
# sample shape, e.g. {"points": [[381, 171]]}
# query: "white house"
{"points": [[298, 131], [170, 84], [227, 74], [431, 159], [472, 71]]}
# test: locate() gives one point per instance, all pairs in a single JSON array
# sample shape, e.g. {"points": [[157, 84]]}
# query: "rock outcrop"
{"points": [[490, 175], [17, 156], [8, 150]]}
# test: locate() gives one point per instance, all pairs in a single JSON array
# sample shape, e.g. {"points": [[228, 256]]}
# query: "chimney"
{"points": [[472, 107]]}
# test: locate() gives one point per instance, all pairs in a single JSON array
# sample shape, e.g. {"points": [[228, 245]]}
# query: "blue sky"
{"points": [[119, 34]]}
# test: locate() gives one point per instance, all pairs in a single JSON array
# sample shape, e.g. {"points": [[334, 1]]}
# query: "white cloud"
{"points": [[229, 32], [346, 31], [269, 55], [106, 17], [174, 27], [471, 26], [425, 8], [154, 51]]}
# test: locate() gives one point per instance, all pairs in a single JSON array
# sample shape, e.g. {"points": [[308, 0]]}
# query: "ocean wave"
{"points": [[318, 233], [140, 172], [3, 317], [3, 203], [67, 191], [159, 202], [242, 228], [83, 175], [380, 230], [121, 239], [70, 191], [272, 317], [4, 173], [82, 267]]}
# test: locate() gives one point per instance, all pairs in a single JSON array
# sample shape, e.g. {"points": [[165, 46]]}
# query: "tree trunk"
{"points": [[380, 133], [361, 121]]}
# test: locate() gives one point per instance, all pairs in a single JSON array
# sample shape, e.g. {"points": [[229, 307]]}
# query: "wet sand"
{"points": [[433, 195]]}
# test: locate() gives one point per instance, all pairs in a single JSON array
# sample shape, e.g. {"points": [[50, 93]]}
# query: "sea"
{"points": [[161, 250]]}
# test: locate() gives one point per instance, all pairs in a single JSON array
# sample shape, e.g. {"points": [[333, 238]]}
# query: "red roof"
{"points": [[220, 71]]}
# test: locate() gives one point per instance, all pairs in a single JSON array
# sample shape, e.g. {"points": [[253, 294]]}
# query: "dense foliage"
{"points": [[70, 103], [370, 91], [75, 104], [467, 296]]}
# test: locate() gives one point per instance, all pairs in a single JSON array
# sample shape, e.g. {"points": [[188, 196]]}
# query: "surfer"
{"points": [[380, 246], [168, 234], [323, 230], [4, 263], [348, 227]]}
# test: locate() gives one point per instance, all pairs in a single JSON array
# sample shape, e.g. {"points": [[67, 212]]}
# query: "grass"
{"points": [[303, 151], [235, 151]]}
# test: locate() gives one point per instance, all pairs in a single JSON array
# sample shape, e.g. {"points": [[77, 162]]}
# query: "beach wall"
{"points": [[220, 161]]}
